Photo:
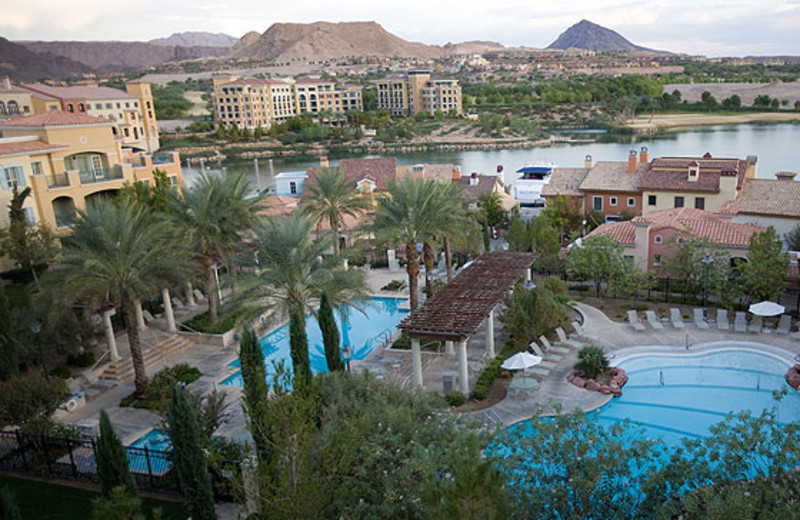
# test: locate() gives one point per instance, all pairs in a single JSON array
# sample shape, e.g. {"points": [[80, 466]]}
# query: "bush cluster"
{"points": [[157, 393]]}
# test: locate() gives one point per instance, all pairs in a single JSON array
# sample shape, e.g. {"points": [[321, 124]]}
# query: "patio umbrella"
{"points": [[766, 309], [521, 361]]}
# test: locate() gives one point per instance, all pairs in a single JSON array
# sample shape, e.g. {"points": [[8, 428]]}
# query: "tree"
{"points": [[598, 258], [158, 198], [9, 510], [763, 277], [215, 217], [683, 260], [118, 254], [26, 244], [258, 134], [9, 342], [298, 341], [112, 461], [490, 214], [254, 394], [29, 401], [565, 214], [546, 244], [792, 239], [328, 195], [592, 361], [762, 100], [119, 505], [708, 100], [518, 235], [188, 457], [529, 314], [330, 334]]}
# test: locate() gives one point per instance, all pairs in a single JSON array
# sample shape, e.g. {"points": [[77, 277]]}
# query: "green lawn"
{"points": [[46, 501]]}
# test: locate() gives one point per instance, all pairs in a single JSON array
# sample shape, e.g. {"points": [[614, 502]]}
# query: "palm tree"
{"points": [[215, 216], [330, 196], [118, 254]]}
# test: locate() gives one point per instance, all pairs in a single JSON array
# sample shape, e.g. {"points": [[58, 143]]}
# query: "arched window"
{"points": [[64, 211], [13, 108], [2, 108]]}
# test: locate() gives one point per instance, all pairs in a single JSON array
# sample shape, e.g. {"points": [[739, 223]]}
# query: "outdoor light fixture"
{"points": [[347, 353], [529, 285], [36, 328]]}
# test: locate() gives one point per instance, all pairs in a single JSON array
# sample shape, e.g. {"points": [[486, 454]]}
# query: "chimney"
{"points": [[785, 176], [587, 161], [499, 168], [456, 175], [694, 171], [633, 162], [473, 179], [644, 155], [323, 161], [418, 171], [6, 83]]}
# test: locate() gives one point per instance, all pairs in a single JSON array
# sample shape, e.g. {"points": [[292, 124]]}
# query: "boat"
{"points": [[529, 183]]}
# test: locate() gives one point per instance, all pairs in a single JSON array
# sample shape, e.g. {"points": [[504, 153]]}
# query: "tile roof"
{"points": [[672, 173], [380, 170], [437, 172], [252, 81], [622, 232], [486, 184], [313, 81], [78, 92], [565, 181], [26, 147], [613, 176], [780, 198], [16, 89], [277, 205], [55, 118]]}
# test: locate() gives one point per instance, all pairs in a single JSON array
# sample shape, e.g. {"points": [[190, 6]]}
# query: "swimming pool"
{"points": [[143, 448], [363, 331]]}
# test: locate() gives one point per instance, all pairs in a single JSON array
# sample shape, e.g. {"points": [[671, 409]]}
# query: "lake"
{"points": [[774, 144]]}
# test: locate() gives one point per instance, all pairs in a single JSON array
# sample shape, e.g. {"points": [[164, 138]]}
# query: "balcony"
{"points": [[96, 175], [57, 180], [163, 158]]}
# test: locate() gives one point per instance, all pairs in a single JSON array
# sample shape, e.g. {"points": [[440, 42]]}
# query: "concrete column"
{"points": [[416, 362], [346, 265], [139, 314], [391, 255], [490, 334], [190, 295], [110, 339], [463, 373], [448, 348], [168, 310], [528, 275]]}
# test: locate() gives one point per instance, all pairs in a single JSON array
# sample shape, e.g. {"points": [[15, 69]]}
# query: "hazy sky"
{"points": [[710, 27]]}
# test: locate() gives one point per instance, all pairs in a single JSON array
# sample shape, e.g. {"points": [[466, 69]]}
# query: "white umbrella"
{"points": [[767, 309], [521, 361]]}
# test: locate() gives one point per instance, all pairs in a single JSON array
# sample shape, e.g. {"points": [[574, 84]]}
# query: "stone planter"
{"points": [[613, 387], [793, 377]]}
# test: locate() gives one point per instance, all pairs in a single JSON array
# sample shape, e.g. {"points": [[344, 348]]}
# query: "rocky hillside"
{"points": [[20, 64], [472, 47], [197, 39], [593, 37], [122, 56], [323, 41]]}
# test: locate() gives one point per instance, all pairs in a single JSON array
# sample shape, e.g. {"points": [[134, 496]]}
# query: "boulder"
{"points": [[793, 377]]}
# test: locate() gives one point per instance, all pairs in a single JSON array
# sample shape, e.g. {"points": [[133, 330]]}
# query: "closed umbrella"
{"points": [[521, 361], [766, 309]]}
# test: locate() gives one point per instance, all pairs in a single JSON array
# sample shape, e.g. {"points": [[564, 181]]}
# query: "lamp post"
{"points": [[529, 285], [347, 353], [707, 260], [36, 328]]}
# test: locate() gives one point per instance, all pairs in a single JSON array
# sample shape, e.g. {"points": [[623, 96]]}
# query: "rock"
{"points": [[793, 377], [592, 385], [579, 382]]}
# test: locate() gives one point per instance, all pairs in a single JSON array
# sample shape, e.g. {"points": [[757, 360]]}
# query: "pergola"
{"points": [[454, 314]]}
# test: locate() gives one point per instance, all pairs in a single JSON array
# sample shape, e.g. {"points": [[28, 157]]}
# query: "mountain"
{"points": [[197, 39], [323, 41], [473, 47], [593, 37], [21, 64], [122, 56]]}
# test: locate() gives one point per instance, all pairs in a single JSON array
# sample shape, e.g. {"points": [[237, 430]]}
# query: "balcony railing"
{"points": [[57, 180], [162, 158], [100, 175]]}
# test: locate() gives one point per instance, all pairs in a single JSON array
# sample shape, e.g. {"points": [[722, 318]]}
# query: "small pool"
{"points": [[361, 330], [148, 453]]}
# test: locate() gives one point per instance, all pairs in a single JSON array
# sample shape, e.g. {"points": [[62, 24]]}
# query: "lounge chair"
{"points": [[198, 295], [148, 318], [784, 325], [722, 319], [756, 324], [535, 349], [563, 340], [699, 319], [539, 373], [633, 319], [545, 343], [177, 303], [676, 318], [740, 322], [653, 320]]}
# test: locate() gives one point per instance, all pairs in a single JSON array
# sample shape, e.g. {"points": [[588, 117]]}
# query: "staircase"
{"points": [[122, 370]]}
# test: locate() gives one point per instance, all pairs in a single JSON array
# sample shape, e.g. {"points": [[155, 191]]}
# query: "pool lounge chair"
{"points": [[699, 319], [535, 349], [538, 373], [784, 325], [564, 340], [740, 322], [722, 319], [756, 324], [653, 320], [633, 319], [545, 343], [676, 318]]}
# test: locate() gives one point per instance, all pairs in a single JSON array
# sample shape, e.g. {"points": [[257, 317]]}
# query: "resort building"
{"points": [[418, 92], [14, 100], [612, 187], [69, 160]]}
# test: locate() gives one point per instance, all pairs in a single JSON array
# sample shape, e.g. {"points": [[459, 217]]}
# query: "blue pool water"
{"points": [[155, 440], [361, 330]]}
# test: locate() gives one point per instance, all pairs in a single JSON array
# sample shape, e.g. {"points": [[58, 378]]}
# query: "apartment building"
{"points": [[418, 92], [69, 160]]}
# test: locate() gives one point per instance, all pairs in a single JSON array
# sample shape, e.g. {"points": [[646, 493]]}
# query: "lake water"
{"points": [[775, 146]]}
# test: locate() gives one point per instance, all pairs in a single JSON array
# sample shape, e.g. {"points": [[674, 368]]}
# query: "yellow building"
{"points": [[14, 101], [418, 92], [69, 161]]}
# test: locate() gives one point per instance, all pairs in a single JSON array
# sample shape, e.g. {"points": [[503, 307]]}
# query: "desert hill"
{"points": [[590, 36], [197, 39], [473, 47], [21, 64]]}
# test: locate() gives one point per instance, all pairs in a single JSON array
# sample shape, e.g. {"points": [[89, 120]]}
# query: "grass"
{"points": [[47, 501]]}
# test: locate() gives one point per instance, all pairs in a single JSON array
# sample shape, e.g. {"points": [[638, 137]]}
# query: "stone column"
{"points": [[110, 339], [490, 334], [190, 295], [346, 264], [137, 307], [416, 362], [391, 255], [463, 373], [528, 275], [168, 310], [448, 348]]}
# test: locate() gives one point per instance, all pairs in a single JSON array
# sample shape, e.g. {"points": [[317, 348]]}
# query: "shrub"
{"points": [[81, 359], [593, 361], [641, 307], [455, 399], [61, 371], [228, 319], [490, 373], [394, 285], [156, 395]]}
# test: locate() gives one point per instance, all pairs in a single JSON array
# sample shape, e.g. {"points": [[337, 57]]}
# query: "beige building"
{"points": [[418, 92], [14, 101], [69, 160]]}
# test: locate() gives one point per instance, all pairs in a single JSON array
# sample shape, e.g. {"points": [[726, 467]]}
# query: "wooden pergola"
{"points": [[457, 311]]}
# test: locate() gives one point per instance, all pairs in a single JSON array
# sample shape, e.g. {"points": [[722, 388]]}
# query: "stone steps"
{"points": [[122, 370]]}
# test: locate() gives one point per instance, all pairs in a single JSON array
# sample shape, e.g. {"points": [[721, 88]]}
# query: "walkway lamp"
{"points": [[529, 285], [707, 260], [36, 328], [347, 353]]}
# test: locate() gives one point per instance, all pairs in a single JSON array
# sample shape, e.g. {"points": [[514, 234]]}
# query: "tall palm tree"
{"points": [[117, 254], [330, 196], [215, 217]]}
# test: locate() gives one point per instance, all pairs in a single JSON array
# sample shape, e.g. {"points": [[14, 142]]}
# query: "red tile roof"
{"points": [[26, 147], [672, 173], [277, 205], [78, 92], [253, 81], [485, 184], [771, 197], [55, 118], [380, 170], [622, 232]]}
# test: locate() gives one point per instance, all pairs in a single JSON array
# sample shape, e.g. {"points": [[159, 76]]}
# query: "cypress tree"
{"points": [[9, 510], [112, 461], [330, 334], [9, 347], [254, 395], [299, 346], [188, 456]]}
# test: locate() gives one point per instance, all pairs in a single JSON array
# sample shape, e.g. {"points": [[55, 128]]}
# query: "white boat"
{"points": [[529, 183]]}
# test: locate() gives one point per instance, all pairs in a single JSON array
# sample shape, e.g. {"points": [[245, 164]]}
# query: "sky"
{"points": [[709, 27]]}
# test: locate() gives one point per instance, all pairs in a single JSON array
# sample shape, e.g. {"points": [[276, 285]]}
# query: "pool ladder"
{"points": [[661, 377]]}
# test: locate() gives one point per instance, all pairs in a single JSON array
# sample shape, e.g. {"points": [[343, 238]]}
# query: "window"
{"points": [[36, 167], [98, 106], [293, 188], [11, 176], [597, 203], [700, 203], [651, 200], [658, 239], [29, 216], [81, 108], [13, 108], [612, 201], [631, 202], [678, 202], [70, 108]]}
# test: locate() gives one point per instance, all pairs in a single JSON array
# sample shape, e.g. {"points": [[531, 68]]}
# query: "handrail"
{"points": [[97, 363]]}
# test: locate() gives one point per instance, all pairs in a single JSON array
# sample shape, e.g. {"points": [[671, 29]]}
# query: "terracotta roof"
{"points": [[277, 205], [14, 88], [313, 81], [348, 223], [486, 184], [437, 172], [565, 181], [613, 176], [55, 118], [780, 198], [459, 308], [26, 147], [380, 170], [623, 232], [253, 81], [672, 173], [703, 224], [78, 92]]}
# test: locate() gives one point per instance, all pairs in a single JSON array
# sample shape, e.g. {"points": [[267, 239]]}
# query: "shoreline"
{"points": [[677, 121]]}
